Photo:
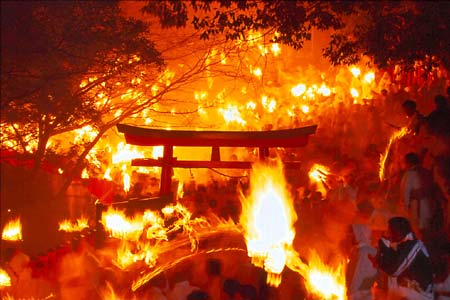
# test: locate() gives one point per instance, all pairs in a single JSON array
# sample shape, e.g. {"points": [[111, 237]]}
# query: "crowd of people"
{"points": [[394, 230]]}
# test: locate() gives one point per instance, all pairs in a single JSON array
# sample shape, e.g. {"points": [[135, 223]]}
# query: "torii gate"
{"points": [[140, 136]]}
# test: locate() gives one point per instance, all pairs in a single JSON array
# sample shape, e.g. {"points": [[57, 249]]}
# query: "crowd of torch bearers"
{"points": [[266, 224]]}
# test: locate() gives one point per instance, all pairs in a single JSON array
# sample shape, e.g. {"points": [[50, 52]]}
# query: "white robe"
{"points": [[420, 210]]}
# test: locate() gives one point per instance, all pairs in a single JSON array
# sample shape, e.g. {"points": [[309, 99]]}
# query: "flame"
{"points": [[108, 293], [324, 281], [158, 151], [12, 231], [275, 48], [298, 90], [369, 77], [5, 280], [394, 137], [180, 190], [232, 114], [324, 90], [126, 182], [305, 109], [319, 174], [355, 71], [69, 226], [126, 153], [354, 92], [85, 174], [269, 103], [141, 233], [257, 72], [120, 226], [107, 174], [268, 218]]}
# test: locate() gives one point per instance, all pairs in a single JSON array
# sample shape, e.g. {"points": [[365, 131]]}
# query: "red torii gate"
{"points": [[140, 136]]}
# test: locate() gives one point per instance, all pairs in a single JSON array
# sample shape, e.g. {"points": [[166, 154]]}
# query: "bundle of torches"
{"points": [[266, 222]]}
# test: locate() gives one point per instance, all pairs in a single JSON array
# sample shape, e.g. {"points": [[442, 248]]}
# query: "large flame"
{"points": [[5, 280], [12, 231], [268, 218]]}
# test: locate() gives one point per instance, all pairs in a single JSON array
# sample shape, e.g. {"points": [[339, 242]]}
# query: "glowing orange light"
{"points": [[5, 280], [232, 114], [305, 109], [120, 226], [268, 218], [369, 77], [383, 159], [318, 174], [323, 281], [257, 72], [84, 174], [298, 90], [12, 231], [324, 90], [107, 174], [355, 71], [126, 182], [78, 225], [354, 92], [275, 48]]}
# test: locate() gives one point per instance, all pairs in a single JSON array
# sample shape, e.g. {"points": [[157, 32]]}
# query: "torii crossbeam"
{"points": [[140, 136]]}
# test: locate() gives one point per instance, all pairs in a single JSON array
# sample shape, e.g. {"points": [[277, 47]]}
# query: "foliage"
{"points": [[391, 32], [395, 33], [48, 49]]}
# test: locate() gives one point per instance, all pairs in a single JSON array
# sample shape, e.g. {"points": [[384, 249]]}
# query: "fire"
{"points": [[275, 48], [369, 77], [85, 174], [108, 293], [354, 92], [232, 114], [394, 137], [305, 109], [5, 280], [120, 226], [107, 174], [324, 90], [268, 218], [355, 71], [69, 226], [323, 281], [126, 153], [298, 90], [12, 231], [318, 174], [158, 151], [126, 182]]}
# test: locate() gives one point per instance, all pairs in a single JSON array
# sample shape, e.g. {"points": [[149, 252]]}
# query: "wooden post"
{"points": [[263, 153], [166, 171], [215, 154]]}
